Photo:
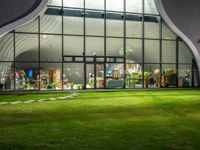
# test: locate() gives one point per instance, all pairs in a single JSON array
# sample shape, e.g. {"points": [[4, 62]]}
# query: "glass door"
{"points": [[99, 76], [90, 76], [95, 76]]}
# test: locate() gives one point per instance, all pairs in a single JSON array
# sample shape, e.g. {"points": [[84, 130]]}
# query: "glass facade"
{"points": [[95, 44]]}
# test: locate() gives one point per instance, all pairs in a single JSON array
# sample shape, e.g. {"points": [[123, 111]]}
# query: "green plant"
{"points": [[128, 51], [54, 85]]}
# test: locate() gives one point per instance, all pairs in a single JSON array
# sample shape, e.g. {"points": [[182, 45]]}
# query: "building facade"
{"points": [[96, 44]]}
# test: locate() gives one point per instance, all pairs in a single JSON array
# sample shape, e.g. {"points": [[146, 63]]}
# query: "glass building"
{"points": [[96, 44]]}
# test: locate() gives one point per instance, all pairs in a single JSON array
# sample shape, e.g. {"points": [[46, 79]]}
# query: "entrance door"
{"points": [[94, 76]]}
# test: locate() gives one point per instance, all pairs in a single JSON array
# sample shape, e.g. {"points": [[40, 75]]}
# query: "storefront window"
{"points": [[169, 75], [27, 76], [51, 76], [6, 76], [151, 75], [114, 75], [133, 76], [185, 76], [73, 76]]}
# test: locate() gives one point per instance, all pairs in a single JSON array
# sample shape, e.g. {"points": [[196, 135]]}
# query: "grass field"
{"points": [[127, 120]]}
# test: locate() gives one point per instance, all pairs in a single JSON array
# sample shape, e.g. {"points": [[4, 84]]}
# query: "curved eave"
{"points": [[174, 28], [28, 18]]}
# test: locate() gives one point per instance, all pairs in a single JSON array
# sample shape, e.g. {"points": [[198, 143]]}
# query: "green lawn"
{"points": [[127, 120]]}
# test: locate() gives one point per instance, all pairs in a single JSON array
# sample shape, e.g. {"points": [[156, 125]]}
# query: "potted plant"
{"points": [[54, 85], [146, 79]]}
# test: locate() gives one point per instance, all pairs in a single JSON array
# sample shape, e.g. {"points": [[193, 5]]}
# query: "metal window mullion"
{"points": [[143, 43], [105, 43], [161, 43], [14, 65], [177, 60], [124, 19], [84, 44], [62, 46], [39, 51]]}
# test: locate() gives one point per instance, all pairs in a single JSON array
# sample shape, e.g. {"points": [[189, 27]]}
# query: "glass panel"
{"points": [[114, 75], [133, 51], [169, 51], [51, 24], [27, 47], [152, 51], [134, 6], [92, 4], [50, 48], [133, 28], [51, 76], [94, 26], [73, 45], [29, 27], [185, 54], [115, 47], [100, 76], [55, 2], [90, 76], [152, 27], [7, 47], [94, 46], [151, 75], [167, 33], [150, 7], [133, 76], [169, 76], [73, 3], [73, 25], [115, 28], [73, 76], [185, 76], [115, 5], [27, 76], [6, 76]]}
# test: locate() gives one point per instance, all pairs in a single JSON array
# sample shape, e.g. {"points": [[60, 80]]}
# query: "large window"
{"points": [[27, 76], [133, 28], [169, 51], [133, 51], [73, 45], [77, 44], [73, 76], [167, 32], [151, 75], [51, 76], [7, 47], [94, 46], [114, 75], [152, 27], [115, 5], [49, 21], [6, 76], [114, 28], [51, 48], [73, 25], [95, 26], [27, 47], [185, 55], [114, 47], [134, 6], [73, 3], [152, 51], [29, 27], [91, 4], [150, 7]]}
